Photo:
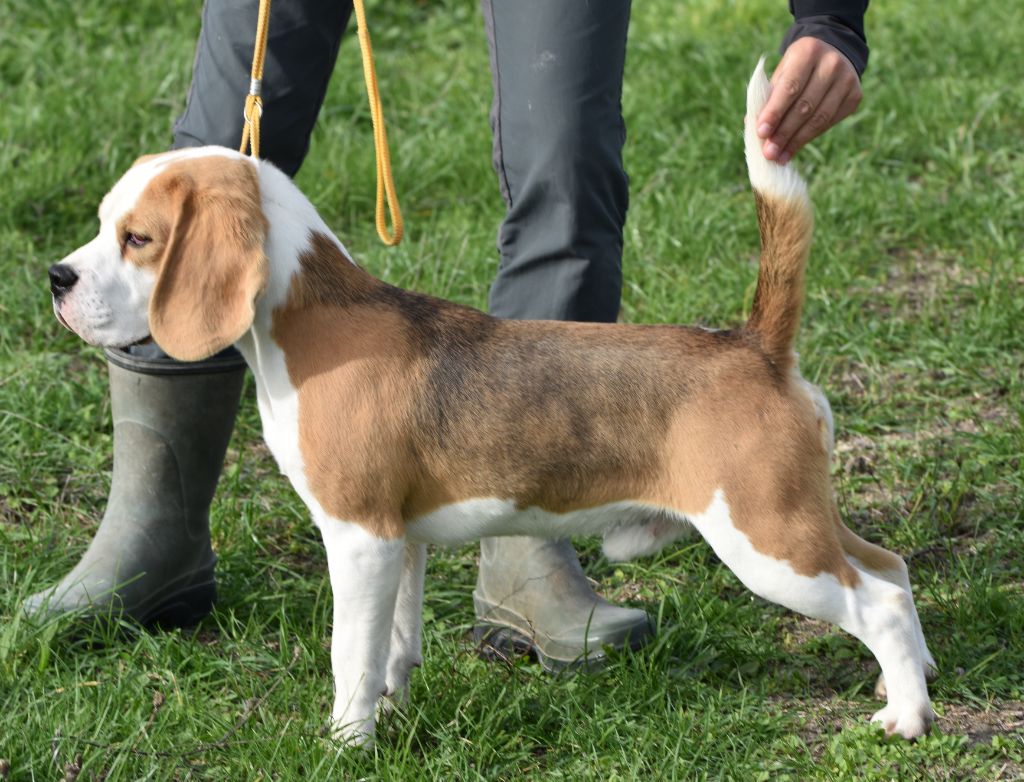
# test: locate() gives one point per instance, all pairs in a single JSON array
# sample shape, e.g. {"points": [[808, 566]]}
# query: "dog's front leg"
{"points": [[406, 632], [365, 572]]}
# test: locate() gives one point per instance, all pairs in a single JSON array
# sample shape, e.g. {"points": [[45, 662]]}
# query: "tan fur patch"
{"points": [[153, 216], [466, 405], [786, 229]]}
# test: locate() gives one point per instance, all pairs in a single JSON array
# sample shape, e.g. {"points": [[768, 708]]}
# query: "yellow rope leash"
{"points": [[254, 111], [385, 184]]}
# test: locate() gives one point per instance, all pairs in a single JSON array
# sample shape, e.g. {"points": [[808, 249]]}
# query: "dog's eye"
{"points": [[136, 240]]}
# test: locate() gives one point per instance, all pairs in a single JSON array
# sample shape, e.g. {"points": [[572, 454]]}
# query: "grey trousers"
{"points": [[556, 117]]}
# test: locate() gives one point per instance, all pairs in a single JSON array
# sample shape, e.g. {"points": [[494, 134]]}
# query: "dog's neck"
{"points": [[294, 221], [327, 277], [307, 266]]}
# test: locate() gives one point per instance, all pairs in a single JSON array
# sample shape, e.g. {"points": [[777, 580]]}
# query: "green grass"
{"points": [[913, 326]]}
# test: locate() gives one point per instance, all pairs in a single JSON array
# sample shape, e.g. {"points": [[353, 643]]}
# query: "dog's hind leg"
{"points": [[406, 629], [889, 567], [828, 586], [365, 573]]}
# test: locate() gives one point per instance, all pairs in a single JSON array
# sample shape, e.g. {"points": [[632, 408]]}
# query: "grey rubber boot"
{"points": [[150, 560], [532, 596]]}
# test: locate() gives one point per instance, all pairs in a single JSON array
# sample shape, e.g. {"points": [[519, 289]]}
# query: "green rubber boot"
{"points": [[150, 560], [532, 596]]}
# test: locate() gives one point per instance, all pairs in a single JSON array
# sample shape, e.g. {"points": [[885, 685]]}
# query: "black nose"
{"points": [[62, 279]]}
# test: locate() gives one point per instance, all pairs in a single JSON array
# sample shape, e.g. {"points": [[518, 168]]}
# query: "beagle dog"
{"points": [[403, 420]]}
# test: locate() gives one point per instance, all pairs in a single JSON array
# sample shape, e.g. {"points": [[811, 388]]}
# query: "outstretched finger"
{"points": [[807, 106]]}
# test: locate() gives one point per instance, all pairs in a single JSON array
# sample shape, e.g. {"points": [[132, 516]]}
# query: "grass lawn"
{"points": [[913, 326]]}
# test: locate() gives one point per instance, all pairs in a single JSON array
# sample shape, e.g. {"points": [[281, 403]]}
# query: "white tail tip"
{"points": [[766, 176]]}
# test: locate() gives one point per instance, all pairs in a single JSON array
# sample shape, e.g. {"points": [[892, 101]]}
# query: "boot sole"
{"points": [[501, 637], [174, 606], [184, 608]]}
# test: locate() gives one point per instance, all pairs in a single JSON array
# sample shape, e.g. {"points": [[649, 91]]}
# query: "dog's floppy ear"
{"points": [[213, 266]]}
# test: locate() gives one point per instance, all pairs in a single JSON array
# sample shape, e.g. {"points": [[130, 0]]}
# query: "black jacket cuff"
{"points": [[836, 22]]}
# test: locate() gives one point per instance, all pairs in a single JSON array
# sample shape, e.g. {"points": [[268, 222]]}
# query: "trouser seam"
{"points": [[487, 6]]}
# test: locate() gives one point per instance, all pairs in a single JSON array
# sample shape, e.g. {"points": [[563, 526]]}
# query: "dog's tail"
{"points": [[785, 220]]}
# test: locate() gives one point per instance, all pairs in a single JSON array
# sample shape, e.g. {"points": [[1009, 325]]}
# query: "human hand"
{"points": [[813, 88]]}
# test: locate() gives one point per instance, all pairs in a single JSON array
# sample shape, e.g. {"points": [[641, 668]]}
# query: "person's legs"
{"points": [[150, 559], [558, 136]]}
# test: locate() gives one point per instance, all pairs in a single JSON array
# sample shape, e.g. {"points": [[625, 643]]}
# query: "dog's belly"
{"points": [[629, 528]]}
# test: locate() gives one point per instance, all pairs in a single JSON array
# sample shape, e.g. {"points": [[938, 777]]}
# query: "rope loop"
{"points": [[253, 111]]}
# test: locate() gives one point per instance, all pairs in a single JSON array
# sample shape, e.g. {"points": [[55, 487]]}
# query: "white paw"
{"points": [[350, 730], [910, 723], [353, 735]]}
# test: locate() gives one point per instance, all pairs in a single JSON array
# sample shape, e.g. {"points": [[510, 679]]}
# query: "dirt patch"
{"points": [[916, 278], [798, 630], [628, 592], [868, 466], [1004, 718], [977, 402], [823, 718]]}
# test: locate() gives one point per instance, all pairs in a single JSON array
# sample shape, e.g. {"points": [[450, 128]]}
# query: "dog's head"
{"points": [[179, 257]]}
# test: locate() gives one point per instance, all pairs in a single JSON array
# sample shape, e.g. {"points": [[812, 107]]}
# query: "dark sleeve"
{"points": [[836, 22]]}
